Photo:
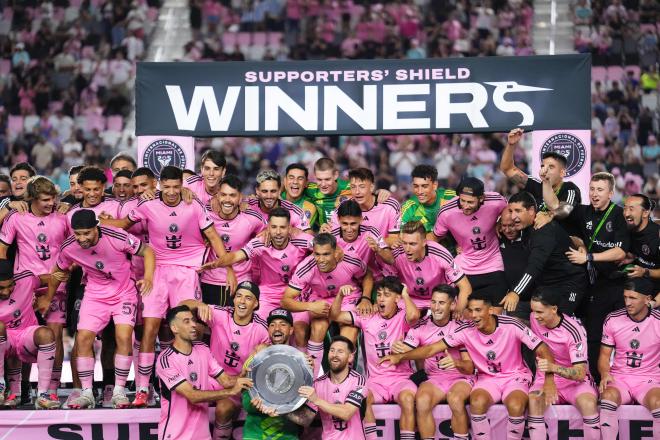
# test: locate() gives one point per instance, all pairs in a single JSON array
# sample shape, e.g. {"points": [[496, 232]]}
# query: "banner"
{"points": [[574, 145], [306, 98], [564, 423], [156, 152]]}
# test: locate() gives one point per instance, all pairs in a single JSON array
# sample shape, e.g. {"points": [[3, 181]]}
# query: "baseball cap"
{"points": [[643, 285], [84, 219], [280, 314], [470, 186], [250, 287]]}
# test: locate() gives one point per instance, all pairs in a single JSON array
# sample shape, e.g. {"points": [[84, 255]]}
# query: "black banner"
{"points": [[449, 95]]}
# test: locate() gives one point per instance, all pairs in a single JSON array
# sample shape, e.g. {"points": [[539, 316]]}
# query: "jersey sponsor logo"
{"points": [[568, 146], [479, 243], [161, 153], [173, 241], [43, 251]]}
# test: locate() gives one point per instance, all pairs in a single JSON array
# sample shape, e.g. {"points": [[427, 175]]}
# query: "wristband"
{"points": [[647, 273], [367, 298], [590, 258]]}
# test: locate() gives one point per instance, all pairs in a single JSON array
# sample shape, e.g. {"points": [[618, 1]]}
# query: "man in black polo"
{"points": [[644, 240]]}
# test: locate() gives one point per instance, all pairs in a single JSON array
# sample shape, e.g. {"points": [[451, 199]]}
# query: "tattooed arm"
{"points": [[575, 372], [507, 165]]}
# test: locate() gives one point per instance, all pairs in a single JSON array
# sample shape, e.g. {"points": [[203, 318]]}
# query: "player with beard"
{"points": [[122, 187], [74, 194], [339, 394], [631, 375], [364, 241], [386, 383], [493, 342], [19, 174], [235, 331], [278, 259], [22, 339], [644, 240], [450, 373], [267, 189], [471, 219], [212, 170], [236, 228], [110, 293], [296, 178], [423, 264], [186, 370], [318, 280], [567, 340], [177, 233], [424, 206], [38, 234]]}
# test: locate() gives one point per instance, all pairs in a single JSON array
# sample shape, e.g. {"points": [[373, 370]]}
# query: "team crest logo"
{"points": [[645, 249], [579, 346], [476, 230], [568, 146], [490, 355], [225, 238], [161, 153], [609, 227], [193, 376], [173, 228], [331, 287], [41, 238], [99, 265], [419, 281], [634, 344], [285, 268], [234, 346], [382, 335], [17, 313]]}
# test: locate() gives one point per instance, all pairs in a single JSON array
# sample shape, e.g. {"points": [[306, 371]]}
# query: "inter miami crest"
{"points": [[568, 146], [234, 346], [382, 335], [634, 344], [99, 265], [161, 153], [193, 376], [419, 281], [490, 355], [225, 238], [41, 238], [476, 230], [285, 268], [173, 228]]}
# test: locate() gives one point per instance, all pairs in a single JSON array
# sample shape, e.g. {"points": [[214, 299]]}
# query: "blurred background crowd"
{"points": [[67, 69]]}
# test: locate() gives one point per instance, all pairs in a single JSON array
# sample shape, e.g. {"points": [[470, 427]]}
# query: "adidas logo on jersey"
{"points": [[283, 256], [365, 218], [226, 225], [93, 252], [490, 342], [474, 217], [336, 390], [545, 334], [173, 214], [351, 248], [329, 277], [190, 362], [237, 332], [418, 269], [636, 329], [11, 301], [41, 224]]}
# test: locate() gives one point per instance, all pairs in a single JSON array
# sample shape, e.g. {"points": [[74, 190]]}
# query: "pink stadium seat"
{"points": [[5, 67], [635, 69], [55, 106], [115, 123], [599, 74], [275, 39], [259, 38], [244, 39], [615, 73], [15, 124], [647, 27], [229, 39], [94, 121]]}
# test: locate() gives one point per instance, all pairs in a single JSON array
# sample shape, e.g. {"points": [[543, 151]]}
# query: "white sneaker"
{"points": [[120, 401], [84, 401], [154, 398], [106, 401], [75, 393]]}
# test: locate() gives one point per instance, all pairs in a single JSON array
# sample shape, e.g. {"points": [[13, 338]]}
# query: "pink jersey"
{"points": [[316, 285], [277, 265], [175, 232], [139, 230], [352, 390], [386, 217], [475, 234], [38, 239], [437, 267], [427, 332], [108, 204], [379, 335], [636, 343], [235, 234], [196, 184], [232, 344], [105, 265], [298, 218], [180, 419], [497, 354], [567, 341], [361, 248], [16, 312]]}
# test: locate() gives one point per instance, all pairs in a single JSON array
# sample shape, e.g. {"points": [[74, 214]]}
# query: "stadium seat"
{"points": [[259, 38], [5, 67], [14, 126], [229, 40], [115, 123], [615, 73], [635, 69], [599, 74]]}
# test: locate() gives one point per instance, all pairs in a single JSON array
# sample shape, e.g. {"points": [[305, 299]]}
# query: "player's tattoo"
{"points": [[571, 373], [519, 178]]}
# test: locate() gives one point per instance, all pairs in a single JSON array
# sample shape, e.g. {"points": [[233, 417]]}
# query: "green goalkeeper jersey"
{"points": [[325, 204], [412, 210]]}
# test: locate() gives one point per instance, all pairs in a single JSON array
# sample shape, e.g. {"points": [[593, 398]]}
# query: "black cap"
{"points": [[280, 314], [84, 219], [250, 287], [470, 186], [643, 285]]}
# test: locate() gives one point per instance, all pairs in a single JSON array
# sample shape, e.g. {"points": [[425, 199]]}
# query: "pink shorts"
{"points": [[500, 387], [444, 382], [21, 344], [236, 400], [567, 390], [633, 389], [172, 284], [96, 314], [57, 310], [387, 388]]}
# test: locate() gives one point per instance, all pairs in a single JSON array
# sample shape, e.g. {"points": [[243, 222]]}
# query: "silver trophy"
{"points": [[277, 373]]}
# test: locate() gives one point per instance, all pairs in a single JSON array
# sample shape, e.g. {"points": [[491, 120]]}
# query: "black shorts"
{"points": [[216, 295], [491, 284]]}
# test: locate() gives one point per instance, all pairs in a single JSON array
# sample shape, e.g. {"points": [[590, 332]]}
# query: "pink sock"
{"points": [[85, 371], [480, 427], [222, 431], [14, 377], [656, 423], [407, 435], [515, 426], [45, 361], [609, 423], [591, 427], [3, 348], [536, 427], [145, 367], [122, 367], [315, 350], [55, 378], [370, 431]]}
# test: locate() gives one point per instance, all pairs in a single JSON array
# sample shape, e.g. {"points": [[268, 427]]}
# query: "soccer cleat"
{"points": [[141, 399], [106, 401], [47, 401], [75, 393], [84, 401], [154, 398], [11, 401], [3, 388], [120, 401]]}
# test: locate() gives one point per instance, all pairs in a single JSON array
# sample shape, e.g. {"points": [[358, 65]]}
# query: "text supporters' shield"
{"points": [[277, 372]]}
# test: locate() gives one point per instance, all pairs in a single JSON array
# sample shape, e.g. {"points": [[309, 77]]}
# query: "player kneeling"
{"points": [[567, 340], [22, 339]]}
